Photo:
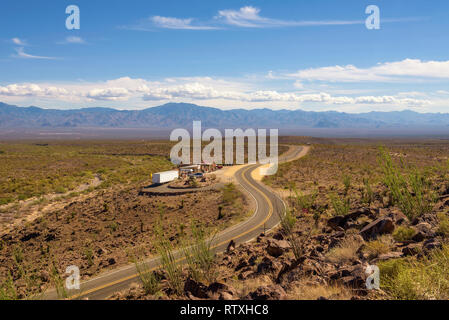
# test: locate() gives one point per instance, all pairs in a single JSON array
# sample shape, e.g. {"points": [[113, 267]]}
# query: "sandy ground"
{"points": [[259, 174], [226, 175]]}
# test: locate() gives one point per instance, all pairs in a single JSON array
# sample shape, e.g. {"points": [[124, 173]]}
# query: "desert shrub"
{"points": [[6, 200], [200, 256], [368, 194], [169, 262], [150, 280], [220, 212], [403, 233], [232, 200], [230, 194], [347, 183], [341, 206], [377, 247], [8, 290], [193, 183], [412, 192], [297, 242], [113, 226], [443, 226], [305, 201], [413, 279], [89, 254], [18, 254], [58, 282]]}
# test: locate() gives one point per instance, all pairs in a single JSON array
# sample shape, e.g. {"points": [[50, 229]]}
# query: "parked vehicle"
{"points": [[196, 175]]}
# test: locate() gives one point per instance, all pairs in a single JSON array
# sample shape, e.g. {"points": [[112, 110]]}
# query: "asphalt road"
{"points": [[269, 209]]}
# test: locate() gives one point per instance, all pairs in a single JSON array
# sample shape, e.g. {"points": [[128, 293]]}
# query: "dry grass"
{"points": [[307, 289], [243, 288], [345, 251], [379, 246]]}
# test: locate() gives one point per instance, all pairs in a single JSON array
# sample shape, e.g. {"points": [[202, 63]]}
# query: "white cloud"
{"points": [[211, 91], [191, 91], [32, 90], [22, 54], [175, 23], [383, 72], [109, 94], [73, 40], [249, 17], [298, 84], [245, 17], [19, 42], [198, 91], [153, 22]]}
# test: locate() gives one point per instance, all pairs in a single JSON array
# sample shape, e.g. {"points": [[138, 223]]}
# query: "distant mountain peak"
{"points": [[176, 114]]}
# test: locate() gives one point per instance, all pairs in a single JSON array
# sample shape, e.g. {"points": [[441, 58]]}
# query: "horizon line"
{"points": [[224, 110]]}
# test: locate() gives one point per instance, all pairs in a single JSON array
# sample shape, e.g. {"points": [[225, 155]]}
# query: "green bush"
{"points": [[297, 242], [230, 194], [411, 192], [169, 262], [368, 194], [378, 247], [413, 279], [403, 233], [341, 206], [8, 290], [150, 280], [305, 201], [347, 183], [200, 256], [443, 226]]}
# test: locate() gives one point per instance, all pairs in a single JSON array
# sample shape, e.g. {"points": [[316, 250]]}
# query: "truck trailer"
{"points": [[166, 176]]}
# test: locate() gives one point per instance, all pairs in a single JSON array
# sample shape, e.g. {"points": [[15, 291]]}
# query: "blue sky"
{"points": [[312, 55]]}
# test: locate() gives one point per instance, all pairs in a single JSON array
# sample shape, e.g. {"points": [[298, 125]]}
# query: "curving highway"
{"points": [[269, 209]]}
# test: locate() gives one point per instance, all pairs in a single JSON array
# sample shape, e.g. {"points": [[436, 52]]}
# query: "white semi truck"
{"points": [[166, 176]]}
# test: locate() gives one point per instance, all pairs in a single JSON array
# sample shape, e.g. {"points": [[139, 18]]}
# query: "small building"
{"points": [[208, 167], [185, 170], [166, 176]]}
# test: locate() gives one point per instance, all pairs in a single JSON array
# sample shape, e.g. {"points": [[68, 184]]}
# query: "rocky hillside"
{"points": [[332, 240], [334, 262]]}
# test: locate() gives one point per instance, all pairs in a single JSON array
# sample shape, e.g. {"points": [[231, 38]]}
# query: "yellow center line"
{"points": [[270, 213]]}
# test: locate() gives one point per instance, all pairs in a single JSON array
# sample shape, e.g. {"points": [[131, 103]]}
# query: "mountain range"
{"points": [[173, 115]]}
